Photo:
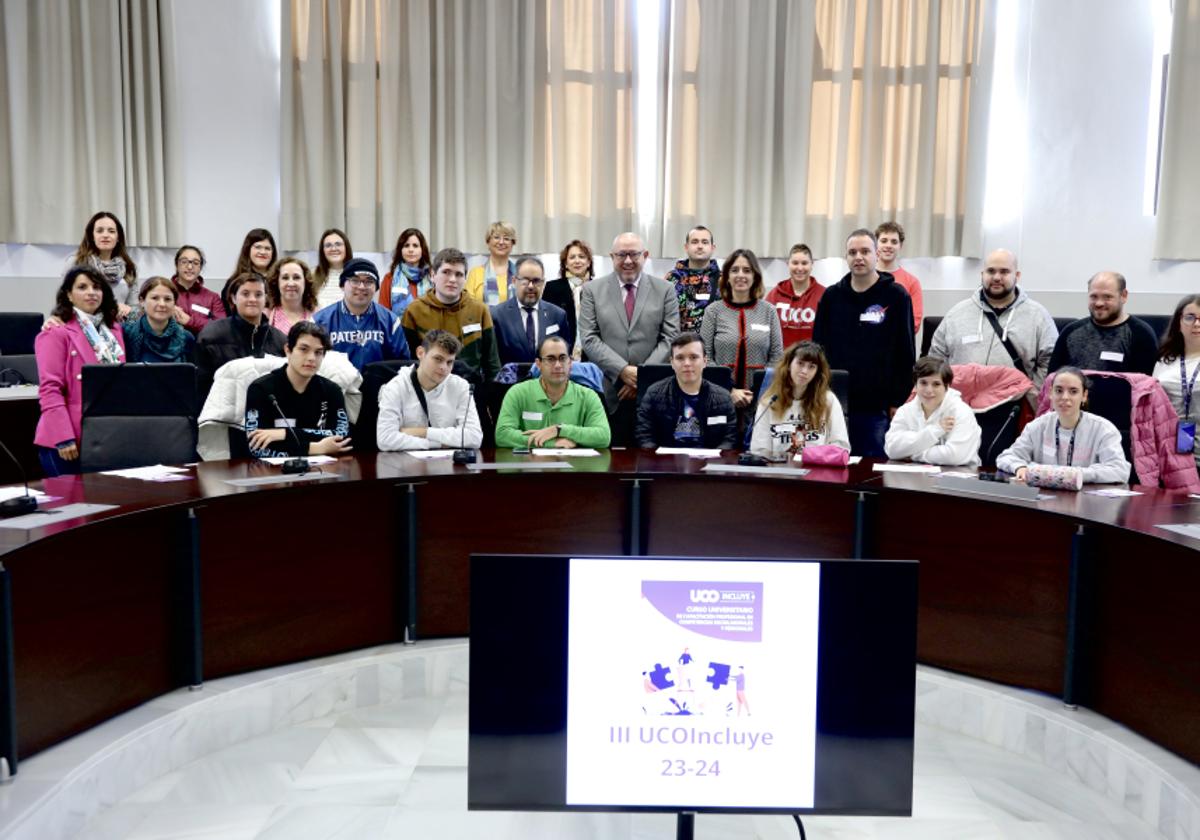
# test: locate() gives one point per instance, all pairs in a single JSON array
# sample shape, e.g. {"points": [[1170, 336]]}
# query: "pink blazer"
{"points": [[61, 354]]}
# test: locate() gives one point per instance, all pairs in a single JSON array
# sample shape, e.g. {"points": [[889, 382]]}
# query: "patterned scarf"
{"points": [[142, 344], [113, 270], [416, 276], [104, 344]]}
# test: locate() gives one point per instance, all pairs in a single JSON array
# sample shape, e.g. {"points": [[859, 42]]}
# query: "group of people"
{"points": [[586, 338]]}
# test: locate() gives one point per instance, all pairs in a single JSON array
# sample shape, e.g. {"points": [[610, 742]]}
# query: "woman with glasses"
{"points": [[195, 305], [290, 294], [333, 252], [1178, 367], [492, 281]]}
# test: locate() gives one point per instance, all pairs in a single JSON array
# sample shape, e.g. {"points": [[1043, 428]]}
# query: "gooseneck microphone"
{"points": [[462, 455], [749, 459], [20, 505], [292, 466]]}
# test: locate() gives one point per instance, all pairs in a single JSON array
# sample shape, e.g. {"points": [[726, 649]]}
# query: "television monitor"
{"points": [[692, 684]]}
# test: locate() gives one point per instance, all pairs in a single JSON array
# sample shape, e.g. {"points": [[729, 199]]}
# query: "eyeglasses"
{"points": [[361, 280], [532, 281], [1189, 318], [190, 263], [622, 256], [555, 360]]}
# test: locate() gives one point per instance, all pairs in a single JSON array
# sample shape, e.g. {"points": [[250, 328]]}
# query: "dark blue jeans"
{"points": [[866, 433], [53, 465]]}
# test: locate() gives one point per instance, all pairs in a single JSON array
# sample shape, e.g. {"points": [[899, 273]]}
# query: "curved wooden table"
{"points": [[196, 579]]}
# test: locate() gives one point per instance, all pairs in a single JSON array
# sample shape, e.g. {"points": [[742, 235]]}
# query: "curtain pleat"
{"points": [[1178, 215]]}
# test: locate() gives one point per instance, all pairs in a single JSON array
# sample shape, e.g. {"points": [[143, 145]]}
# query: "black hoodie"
{"points": [[232, 338], [870, 335]]}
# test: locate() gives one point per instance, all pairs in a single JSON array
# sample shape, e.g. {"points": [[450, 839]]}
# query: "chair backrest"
{"points": [[17, 332], [1063, 323], [22, 367], [649, 374], [1158, 323], [1111, 397], [929, 327], [998, 427], [136, 415], [375, 375]]}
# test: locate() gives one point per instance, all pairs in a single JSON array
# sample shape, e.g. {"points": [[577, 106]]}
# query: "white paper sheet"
{"points": [[52, 515], [565, 453], [154, 473], [430, 454], [313, 460], [908, 468], [691, 453]]}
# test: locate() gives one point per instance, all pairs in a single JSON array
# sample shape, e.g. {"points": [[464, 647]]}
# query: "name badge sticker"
{"points": [[970, 339], [717, 420], [471, 328], [203, 310], [760, 327], [784, 428], [1111, 356], [552, 329], [534, 416], [285, 423], [703, 295], [1050, 451]]}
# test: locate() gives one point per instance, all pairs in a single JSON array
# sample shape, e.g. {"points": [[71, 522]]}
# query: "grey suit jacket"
{"points": [[612, 341]]}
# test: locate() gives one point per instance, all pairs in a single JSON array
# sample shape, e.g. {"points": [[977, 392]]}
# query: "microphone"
{"points": [[462, 455], [20, 505], [749, 459], [292, 466]]}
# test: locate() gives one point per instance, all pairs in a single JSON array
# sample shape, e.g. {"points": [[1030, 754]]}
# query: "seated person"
{"points": [[552, 410], [684, 410], [1069, 436], [798, 409], [357, 325], [296, 395], [936, 427], [244, 333], [154, 335], [426, 406]]}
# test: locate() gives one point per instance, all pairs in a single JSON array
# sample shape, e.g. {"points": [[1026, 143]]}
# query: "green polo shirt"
{"points": [[579, 414]]}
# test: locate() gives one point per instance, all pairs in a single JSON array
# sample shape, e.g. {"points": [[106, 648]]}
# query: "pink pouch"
{"points": [[825, 455]]}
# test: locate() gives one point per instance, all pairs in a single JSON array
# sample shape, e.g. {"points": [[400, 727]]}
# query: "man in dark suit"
{"points": [[522, 322], [627, 319]]}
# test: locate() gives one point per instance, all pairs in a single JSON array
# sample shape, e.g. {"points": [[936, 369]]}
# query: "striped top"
{"points": [[743, 338]]}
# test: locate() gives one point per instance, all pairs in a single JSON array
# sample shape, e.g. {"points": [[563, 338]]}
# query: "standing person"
{"points": [[155, 336], [357, 325], [256, 257], [333, 252], [1069, 436], [696, 279], [311, 407], [1178, 368], [246, 332], [408, 278], [684, 409], [1109, 338], [524, 320], [492, 281], [998, 325], [626, 319], [864, 324], [104, 249], [890, 237], [798, 409], [427, 406], [195, 305], [90, 335], [447, 307], [575, 268], [742, 332], [936, 427], [290, 294], [796, 298], [552, 411]]}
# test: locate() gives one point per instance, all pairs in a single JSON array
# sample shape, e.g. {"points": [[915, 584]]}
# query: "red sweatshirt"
{"points": [[796, 314]]}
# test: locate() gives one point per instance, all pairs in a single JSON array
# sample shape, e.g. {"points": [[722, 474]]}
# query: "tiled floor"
{"points": [[399, 771]]}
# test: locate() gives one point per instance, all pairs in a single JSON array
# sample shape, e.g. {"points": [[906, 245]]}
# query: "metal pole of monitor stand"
{"points": [[862, 531], [1075, 620], [635, 545], [195, 648], [410, 563], [8, 706], [685, 825]]}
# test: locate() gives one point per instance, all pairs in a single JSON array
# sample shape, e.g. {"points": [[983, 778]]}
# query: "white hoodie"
{"points": [[913, 435]]}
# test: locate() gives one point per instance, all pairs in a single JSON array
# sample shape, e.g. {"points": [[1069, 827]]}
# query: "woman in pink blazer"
{"points": [[89, 335]]}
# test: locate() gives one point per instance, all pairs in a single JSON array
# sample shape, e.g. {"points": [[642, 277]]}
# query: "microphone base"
{"points": [[19, 506], [748, 460], [465, 456], [296, 466]]}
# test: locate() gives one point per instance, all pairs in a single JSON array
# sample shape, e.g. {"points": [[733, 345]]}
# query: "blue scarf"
{"points": [[143, 344]]}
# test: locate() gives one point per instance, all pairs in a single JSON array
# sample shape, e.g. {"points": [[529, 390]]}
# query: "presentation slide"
{"points": [[692, 683]]}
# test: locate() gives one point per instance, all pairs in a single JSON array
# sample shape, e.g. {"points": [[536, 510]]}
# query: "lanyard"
{"points": [[1186, 385], [1070, 446]]}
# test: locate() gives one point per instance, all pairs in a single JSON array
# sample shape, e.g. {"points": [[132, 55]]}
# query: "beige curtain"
{"points": [[1178, 216], [447, 115], [89, 123], [800, 120]]}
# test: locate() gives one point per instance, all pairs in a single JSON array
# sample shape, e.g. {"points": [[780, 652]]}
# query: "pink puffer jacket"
{"points": [[1152, 432]]}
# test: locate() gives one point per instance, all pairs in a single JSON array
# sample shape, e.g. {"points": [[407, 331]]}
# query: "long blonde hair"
{"points": [[813, 403]]}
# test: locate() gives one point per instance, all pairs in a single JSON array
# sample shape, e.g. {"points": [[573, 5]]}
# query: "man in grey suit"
{"points": [[627, 319], [524, 321]]}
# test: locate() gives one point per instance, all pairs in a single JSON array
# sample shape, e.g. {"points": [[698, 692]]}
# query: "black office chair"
{"points": [[998, 427], [375, 376], [18, 370], [1063, 323], [1111, 397], [929, 325], [137, 415], [1158, 323], [649, 374], [17, 332]]}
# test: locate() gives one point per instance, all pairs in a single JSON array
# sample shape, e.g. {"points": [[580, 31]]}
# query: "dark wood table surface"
{"points": [[106, 613]]}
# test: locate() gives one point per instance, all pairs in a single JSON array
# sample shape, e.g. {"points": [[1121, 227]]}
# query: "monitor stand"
{"points": [[685, 825]]}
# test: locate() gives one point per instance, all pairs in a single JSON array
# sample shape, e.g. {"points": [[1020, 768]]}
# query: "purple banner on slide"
{"points": [[719, 609]]}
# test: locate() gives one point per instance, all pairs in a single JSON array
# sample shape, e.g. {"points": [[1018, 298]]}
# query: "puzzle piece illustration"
{"points": [[719, 675], [658, 677]]}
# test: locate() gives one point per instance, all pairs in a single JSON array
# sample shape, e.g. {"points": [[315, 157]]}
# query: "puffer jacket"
{"points": [[1152, 432], [987, 386]]}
